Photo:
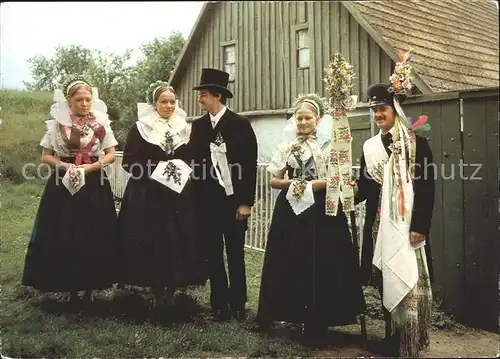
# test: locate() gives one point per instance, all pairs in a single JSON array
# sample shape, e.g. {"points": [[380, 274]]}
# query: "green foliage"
{"points": [[121, 85], [441, 319], [49, 73]]}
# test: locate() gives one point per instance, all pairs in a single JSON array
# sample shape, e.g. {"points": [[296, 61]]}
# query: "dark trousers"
{"points": [[221, 227]]}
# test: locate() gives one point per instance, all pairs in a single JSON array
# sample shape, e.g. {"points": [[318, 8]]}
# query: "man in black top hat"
{"points": [[369, 185], [225, 190]]}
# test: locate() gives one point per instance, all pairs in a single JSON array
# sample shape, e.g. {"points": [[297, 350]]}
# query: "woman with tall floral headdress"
{"points": [[73, 241], [310, 271], [159, 248]]}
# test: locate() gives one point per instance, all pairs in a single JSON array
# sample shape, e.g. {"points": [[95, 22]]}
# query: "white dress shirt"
{"points": [[215, 119]]}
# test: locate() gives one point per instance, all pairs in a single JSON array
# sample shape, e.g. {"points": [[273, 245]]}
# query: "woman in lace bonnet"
{"points": [[156, 224], [73, 241], [310, 271]]}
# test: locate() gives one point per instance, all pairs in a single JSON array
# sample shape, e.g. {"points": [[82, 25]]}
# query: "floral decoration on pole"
{"points": [[339, 76]]}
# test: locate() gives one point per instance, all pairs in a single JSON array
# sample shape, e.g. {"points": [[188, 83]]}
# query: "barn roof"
{"points": [[455, 43]]}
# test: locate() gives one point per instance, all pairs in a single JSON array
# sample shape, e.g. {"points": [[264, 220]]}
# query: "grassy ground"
{"points": [[120, 323], [36, 325]]}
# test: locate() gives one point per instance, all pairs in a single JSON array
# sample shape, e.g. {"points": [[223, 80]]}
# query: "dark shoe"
{"points": [[262, 325], [221, 315], [388, 347], [315, 336], [239, 314]]}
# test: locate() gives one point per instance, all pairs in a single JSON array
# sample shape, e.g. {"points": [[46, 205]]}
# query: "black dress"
{"points": [[310, 272], [158, 245], [73, 242]]}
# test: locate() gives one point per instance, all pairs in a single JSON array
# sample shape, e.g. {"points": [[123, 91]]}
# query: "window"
{"points": [[302, 48], [230, 60]]}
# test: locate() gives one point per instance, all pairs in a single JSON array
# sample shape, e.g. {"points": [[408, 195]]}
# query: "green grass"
{"points": [[23, 115], [119, 324]]}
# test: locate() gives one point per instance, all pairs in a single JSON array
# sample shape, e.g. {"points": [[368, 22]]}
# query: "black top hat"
{"points": [[216, 80], [379, 95]]}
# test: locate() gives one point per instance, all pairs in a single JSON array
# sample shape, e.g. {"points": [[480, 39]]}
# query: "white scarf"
{"points": [[394, 255], [152, 127]]}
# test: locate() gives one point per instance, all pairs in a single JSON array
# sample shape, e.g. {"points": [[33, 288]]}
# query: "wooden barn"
{"points": [[277, 50]]}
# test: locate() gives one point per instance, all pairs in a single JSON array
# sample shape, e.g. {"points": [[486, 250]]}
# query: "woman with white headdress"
{"points": [[159, 248], [310, 272], [73, 241]]}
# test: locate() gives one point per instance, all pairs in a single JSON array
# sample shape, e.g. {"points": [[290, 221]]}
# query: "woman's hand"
{"points": [[318, 185], [65, 166], [88, 167]]}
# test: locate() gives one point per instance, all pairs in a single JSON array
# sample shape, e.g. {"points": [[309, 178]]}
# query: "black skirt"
{"points": [[73, 244], [158, 243], [310, 272]]}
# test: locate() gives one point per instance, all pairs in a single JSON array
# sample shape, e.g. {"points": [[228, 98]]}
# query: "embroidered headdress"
{"points": [[95, 122], [60, 110], [147, 116], [153, 88]]}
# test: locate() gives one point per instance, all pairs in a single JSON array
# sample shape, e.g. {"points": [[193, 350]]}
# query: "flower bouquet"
{"points": [[74, 179]]}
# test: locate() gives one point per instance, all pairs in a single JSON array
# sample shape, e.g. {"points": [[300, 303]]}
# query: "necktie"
{"points": [[387, 140]]}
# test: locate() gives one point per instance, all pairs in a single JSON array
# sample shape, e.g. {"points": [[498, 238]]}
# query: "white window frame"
{"points": [[301, 29], [224, 46]]}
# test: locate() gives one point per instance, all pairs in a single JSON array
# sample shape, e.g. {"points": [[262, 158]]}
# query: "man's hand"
{"points": [[416, 237], [243, 212], [354, 187]]}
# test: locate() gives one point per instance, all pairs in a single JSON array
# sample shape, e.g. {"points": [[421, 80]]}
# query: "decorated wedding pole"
{"points": [[339, 76]]}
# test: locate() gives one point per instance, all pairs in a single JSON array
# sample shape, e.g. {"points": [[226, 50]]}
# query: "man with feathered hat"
{"points": [[397, 182]]}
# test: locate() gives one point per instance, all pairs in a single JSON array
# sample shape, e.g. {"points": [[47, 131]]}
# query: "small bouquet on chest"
{"points": [[299, 185], [300, 194], [74, 179]]}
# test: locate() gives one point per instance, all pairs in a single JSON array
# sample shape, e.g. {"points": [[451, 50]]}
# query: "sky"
{"points": [[28, 29]]}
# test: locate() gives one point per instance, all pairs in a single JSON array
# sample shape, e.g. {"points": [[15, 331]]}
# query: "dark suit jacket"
{"points": [[241, 144], [423, 202]]}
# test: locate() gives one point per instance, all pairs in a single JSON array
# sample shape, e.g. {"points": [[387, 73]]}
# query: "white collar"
{"points": [[218, 116], [391, 131], [152, 128]]}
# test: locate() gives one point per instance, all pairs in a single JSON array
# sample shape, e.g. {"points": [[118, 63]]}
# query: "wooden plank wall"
{"points": [[480, 172], [267, 77]]}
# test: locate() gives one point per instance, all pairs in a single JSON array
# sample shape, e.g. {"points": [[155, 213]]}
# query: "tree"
{"points": [[48, 73], [160, 57], [120, 85]]}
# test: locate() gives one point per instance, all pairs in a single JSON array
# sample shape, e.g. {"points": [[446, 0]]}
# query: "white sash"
{"points": [[375, 157], [219, 157], [394, 255]]}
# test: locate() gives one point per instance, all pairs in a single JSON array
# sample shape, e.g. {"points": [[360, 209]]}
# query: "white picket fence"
{"points": [[262, 211]]}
